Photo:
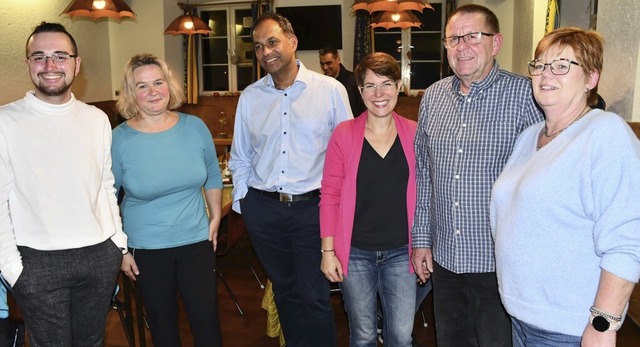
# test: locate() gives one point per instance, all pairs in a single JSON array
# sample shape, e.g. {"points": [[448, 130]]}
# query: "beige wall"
{"points": [[18, 19], [620, 80]]}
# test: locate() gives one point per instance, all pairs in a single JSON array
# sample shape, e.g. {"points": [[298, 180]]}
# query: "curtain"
{"points": [[190, 59], [192, 70], [553, 16], [362, 42]]}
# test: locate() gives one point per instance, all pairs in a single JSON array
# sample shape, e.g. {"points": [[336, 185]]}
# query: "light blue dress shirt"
{"points": [[280, 136]]}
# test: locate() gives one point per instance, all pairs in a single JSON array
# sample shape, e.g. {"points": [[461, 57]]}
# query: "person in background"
{"points": [[283, 124], [172, 240], [61, 239], [467, 126], [331, 66], [366, 209], [565, 227]]}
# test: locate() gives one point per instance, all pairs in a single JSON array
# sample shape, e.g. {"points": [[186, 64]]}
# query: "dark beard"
{"points": [[53, 91]]}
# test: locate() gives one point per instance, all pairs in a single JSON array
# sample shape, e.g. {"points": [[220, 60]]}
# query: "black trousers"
{"points": [[468, 310], [190, 271], [286, 237]]}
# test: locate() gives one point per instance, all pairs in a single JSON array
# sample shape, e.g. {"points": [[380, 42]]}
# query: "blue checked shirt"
{"points": [[280, 136], [462, 144]]}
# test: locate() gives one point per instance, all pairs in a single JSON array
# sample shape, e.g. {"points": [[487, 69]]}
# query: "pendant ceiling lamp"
{"points": [[99, 9], [395, 6], [389, 19], [187, 24]]}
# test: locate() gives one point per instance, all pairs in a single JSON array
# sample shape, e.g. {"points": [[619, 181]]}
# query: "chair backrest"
{"points": [[230, 232]]}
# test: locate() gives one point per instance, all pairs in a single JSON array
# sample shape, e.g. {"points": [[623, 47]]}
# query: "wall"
{"points": [[620, 80], [20, 17], [144, 35]]}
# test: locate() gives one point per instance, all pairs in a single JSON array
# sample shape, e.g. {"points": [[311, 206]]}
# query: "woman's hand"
{"points": [[129, 266], [331, 267], [593, 338], [213, 233]]}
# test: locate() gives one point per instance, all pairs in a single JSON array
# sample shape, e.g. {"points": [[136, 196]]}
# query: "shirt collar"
{"points": [[303, 76], [477, 86]]}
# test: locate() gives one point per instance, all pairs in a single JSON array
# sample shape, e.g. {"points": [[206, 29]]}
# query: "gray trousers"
{"points": [[65, 295]]}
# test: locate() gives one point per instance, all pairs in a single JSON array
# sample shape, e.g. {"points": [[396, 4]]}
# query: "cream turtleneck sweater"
{"points": [[56, 184]]}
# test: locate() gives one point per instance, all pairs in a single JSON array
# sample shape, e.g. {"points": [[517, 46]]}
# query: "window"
{"points": [[419, 51], [227, 53]]}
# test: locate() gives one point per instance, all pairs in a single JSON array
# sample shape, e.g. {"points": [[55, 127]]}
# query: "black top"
{"points": [[349, 81], [380, 221]]}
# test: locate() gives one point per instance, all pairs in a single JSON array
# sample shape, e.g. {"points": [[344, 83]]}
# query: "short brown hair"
{"points": [[489, 17], [126, 104], [587, 45], [381, 64]]}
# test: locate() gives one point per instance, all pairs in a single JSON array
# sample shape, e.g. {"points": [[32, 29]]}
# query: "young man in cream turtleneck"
{"points": [[61, 239]]}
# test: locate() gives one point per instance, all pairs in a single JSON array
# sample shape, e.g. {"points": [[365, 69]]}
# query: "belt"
{"points": [[283, 197]]}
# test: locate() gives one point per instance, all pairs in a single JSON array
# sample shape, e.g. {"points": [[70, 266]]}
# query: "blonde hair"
{"points": [[126, 104]]}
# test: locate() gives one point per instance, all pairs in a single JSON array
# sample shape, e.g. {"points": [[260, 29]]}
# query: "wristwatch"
{"points": [[603, 321]]}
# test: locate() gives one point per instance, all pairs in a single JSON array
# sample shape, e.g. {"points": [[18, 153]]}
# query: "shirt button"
{"points": [[282, 171], [280, 188], [457, 232], [456, 177], [283, 152], [285, 113], [456, 204], [460, 150], [285, 94], [464, 125], [285, 132]]}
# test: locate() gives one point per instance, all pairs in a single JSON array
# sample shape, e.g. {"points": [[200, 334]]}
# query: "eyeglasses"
{"points": [[56, 58], [386, 86], [470, 39], [558, 67]]}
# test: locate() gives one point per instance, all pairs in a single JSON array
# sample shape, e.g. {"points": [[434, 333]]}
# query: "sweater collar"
{"points": [[47, 108]]}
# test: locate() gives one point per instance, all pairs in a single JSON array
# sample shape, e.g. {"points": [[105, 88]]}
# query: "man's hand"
{"points": [[422, 260]]}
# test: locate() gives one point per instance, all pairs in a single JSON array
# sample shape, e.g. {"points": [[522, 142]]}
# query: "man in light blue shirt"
{"points": [[283, 124]]}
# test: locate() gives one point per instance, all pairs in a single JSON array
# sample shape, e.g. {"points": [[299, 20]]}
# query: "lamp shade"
{"points": [[98, 9], [402, 19], [390, 5], [187, 25]]}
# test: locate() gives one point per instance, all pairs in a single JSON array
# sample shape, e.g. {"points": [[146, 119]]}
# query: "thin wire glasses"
{"points": [[470, 39], [558, 67], [386, 86], [56, 58]]}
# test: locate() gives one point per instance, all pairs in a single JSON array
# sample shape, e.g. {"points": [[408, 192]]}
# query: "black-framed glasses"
{"points": [[558, 67], [470, 39], [56, 58]]}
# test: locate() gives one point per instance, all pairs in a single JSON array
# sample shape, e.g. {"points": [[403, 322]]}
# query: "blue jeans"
{"points": [[527, 335], [384, 274]]}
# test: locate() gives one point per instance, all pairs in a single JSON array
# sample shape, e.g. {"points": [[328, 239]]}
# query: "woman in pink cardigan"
{"points": [[368, 199]]}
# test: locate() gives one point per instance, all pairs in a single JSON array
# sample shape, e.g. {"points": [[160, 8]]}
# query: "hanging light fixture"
{"points": [[99, 9], [402, 19], [395, 6], [187, 24]]}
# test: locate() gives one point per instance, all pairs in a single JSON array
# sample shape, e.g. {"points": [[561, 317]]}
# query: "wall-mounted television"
{"points": [[315, 26]]}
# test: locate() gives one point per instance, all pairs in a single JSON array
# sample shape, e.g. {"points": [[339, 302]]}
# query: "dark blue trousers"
{"points": [[286, 237]]}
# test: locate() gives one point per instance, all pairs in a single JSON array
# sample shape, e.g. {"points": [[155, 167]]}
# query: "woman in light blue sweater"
{"points": [[564, 211], [164, 160]]}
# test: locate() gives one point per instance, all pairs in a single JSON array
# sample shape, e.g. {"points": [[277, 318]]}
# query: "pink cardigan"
{"points": [[338, 192]]}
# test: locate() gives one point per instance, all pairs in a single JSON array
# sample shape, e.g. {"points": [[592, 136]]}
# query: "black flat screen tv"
{"points": [[315, 26]]}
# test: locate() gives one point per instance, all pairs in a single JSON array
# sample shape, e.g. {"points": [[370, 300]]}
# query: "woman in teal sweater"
{"points": [[163, 160]]}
